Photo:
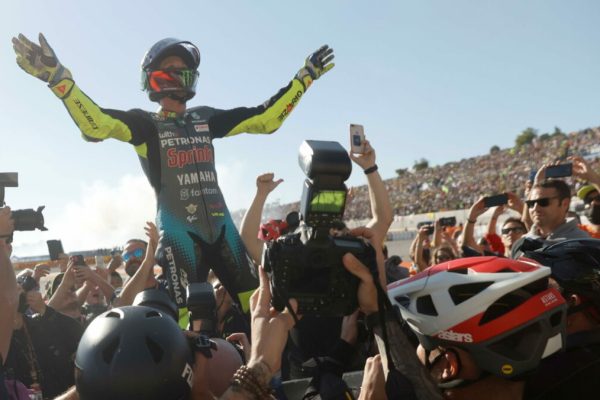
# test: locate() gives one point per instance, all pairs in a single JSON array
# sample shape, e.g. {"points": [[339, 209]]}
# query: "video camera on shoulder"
{"points": [[25, 220], [307, 264]]}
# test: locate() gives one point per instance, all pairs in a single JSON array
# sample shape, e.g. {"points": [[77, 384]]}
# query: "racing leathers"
{"points": [[177, 155]]}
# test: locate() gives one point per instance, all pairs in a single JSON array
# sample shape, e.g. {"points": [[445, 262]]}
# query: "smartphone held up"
{"points": [[357, 139]]}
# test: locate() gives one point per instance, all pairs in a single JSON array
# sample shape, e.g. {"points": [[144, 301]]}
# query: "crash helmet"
{"points": [[170, 82], [133, 352], [501, 311], [574, 265]]}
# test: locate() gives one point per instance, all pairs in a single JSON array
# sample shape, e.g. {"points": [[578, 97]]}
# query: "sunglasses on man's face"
{"points": [[543, 202], [137, 253], [515, 229]]}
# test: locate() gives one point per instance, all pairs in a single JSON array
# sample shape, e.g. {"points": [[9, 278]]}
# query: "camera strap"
{"points": [[385, 309]]}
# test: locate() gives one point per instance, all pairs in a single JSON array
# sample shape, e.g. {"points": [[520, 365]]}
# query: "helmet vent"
{"points": [[504, 304], [460, 293], [463, 271], [425, 306], [506, 270], [152, 314], [155, 350], [109, 352], [113, 314], [403, 300]]}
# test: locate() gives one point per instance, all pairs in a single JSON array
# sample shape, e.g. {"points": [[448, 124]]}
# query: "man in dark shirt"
{"points": [[42, 347]]}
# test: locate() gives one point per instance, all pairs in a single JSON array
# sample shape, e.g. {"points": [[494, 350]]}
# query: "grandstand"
{"points": [[451, 188]]}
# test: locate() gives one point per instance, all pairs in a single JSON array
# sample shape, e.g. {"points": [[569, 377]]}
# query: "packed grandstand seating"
{"points": [[457, 184]]}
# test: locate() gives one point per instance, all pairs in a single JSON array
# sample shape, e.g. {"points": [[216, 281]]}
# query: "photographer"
{"points": [[133, 371], [9, 298], [42, 346]]}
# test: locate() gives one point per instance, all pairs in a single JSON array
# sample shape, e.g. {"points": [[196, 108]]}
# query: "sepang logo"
{"points": [[173, 276], [86, 114], [288, 109], [181, 158], [455, 336]]}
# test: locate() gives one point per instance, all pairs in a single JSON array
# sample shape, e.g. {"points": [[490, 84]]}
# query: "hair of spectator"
{"points": [[561, 187], [137, 241], [515, 221]]}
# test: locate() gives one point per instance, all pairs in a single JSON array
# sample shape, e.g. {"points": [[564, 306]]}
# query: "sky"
{"points": [[435, 79]]}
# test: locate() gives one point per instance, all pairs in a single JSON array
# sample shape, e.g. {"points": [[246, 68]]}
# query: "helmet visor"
{"points": [[171, 80]]}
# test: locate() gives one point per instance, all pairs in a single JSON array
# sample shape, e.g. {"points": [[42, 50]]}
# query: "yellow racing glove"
{"points": [[316, 64], [39, 60]]}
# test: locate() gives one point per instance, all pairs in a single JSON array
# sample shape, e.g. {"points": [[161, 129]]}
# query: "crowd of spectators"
{"points": [[250, 355], [457, 184]]}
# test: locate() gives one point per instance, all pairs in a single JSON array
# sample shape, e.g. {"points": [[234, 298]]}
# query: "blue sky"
{"points": [[435, 79]]}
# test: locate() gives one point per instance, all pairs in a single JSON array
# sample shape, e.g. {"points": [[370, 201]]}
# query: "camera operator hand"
{"points": [[40, 271], [265, 184], [7, 224], [241, 340], [515, 202], [373, 383], [367, 293], [541, 173], [36, 302], [367, 159], [115, 262], [477, 209], [84, 273], [269, 331], [583, 171]]}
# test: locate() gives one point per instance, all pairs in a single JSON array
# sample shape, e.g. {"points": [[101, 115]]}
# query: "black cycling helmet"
{"points": [[133, 352], [166, 84], [575, 266]]}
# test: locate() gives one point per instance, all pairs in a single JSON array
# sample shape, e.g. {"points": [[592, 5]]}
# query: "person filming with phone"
{"points": [[548, 205], [590, 194]]}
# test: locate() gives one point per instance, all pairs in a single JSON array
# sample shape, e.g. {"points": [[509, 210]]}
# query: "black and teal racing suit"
{"points": [[177, 156]]}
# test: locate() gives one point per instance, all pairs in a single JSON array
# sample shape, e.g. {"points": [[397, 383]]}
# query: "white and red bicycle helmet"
{"points": [[499, 310]]}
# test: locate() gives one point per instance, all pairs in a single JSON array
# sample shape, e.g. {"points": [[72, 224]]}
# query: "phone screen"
{"points": [[357, 138], [54, 249], [496, 200], [559, 171]]}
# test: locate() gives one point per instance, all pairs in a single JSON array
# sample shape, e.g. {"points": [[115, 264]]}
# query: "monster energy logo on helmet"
{"points": [[159, 86]]}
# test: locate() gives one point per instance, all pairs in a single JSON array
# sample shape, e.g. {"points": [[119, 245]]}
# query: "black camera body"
{"points": [[307, 264], [202, 305], [25, 220]]}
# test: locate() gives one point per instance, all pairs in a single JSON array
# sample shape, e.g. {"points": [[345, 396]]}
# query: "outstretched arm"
{"points": [[139, 280], [251, 221], [381, 209], [95, 123], [269, 116]]}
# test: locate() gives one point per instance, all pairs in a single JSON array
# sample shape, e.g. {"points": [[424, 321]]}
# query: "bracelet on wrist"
{"points": [[471, 221], [246, 379], [370, 170]]}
